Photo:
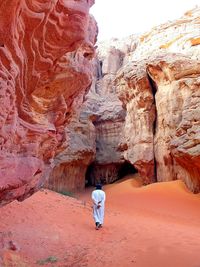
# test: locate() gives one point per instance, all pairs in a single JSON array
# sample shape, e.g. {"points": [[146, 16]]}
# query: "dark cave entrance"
{"points": [[107, 173], [89, 175], [126, 169]]}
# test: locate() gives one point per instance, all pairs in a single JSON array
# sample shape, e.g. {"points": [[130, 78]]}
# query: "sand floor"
{"points": [[152, 226]]}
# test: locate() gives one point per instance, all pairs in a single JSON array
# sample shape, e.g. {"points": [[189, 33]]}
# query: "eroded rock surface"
{"points": [[177, 136], [45, 53], [136, 95], [47, 67], [159, 87], [102, 101], [73, 157], [141, 70]]}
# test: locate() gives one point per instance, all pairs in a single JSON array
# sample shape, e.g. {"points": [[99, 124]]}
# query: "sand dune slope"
{"points": [[153, 226]]}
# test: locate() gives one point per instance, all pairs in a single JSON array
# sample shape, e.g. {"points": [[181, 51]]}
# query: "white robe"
{"points": [[98, 197]]}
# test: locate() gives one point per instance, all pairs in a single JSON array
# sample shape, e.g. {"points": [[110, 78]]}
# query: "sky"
{"points": [[120, 18]]}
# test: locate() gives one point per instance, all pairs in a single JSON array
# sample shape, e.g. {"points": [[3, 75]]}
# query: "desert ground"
{"points": [[145, 226]]}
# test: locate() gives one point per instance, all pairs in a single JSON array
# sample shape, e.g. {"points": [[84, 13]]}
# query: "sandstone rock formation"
{"points": [[46, 69], [144, 136], [137, 143], [160, 88], [177, 136], [73, 157], [102, 101], [178, 36], [46, 49], [90, 151]]}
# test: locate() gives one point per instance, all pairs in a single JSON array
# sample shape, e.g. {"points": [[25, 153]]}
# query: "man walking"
{"points": [[98, 198]]}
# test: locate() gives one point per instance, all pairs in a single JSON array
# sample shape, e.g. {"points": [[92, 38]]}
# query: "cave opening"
{"points": [[126, 169], [89, 175], [107, 173]]}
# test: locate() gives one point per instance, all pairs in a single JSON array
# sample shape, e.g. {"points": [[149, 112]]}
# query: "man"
{"points": [[98, 197]]}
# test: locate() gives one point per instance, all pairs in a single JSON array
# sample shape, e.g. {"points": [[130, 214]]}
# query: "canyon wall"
{"points": [[177, 136], [145, 129], [159, 86], [102, 101], [46, 49], [47, 66], [138, 134], [73, 156]]}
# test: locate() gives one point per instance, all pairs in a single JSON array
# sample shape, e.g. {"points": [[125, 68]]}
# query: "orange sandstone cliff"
{"points": [[46, 49]]}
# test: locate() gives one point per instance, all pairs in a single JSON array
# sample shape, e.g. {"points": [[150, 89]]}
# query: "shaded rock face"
{"points": [[103, 103], [73, 157], [107, 141], [103, 173], [45, 53], [161, 96]]}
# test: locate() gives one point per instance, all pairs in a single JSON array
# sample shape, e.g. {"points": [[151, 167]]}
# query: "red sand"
{"points": [[153, 226]]}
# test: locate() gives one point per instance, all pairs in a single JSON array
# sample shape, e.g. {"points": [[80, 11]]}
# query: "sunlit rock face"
{"points": [[159, 86], [45, 53], [137, 143], [178, 36], [177, 136]]}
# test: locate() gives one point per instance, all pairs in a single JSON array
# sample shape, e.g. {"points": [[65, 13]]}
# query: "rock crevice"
{"points": [[159, 87]]}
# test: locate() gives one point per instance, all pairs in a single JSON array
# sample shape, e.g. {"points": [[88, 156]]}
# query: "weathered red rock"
{"points": [[45, 52]]}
